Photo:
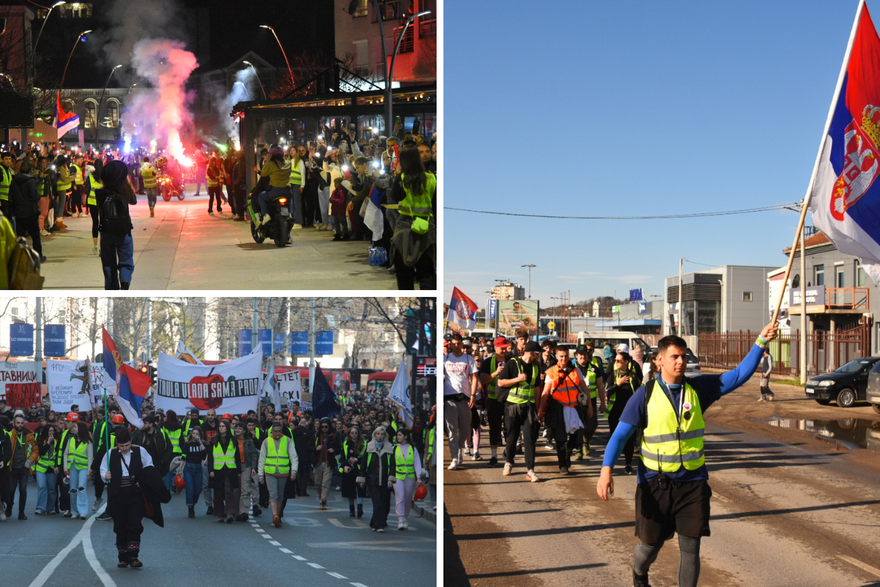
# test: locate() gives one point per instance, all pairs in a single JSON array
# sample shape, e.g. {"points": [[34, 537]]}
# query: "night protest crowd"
{"points": [[240, 464], [328, 183]]}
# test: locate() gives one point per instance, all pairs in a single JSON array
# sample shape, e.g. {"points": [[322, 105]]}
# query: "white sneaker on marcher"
{"points": [[453, 466], [43, 233], [401, 525], [507, 469], [530, 475], [467, 450], [296, 227], [266, 219], [97, 504]]}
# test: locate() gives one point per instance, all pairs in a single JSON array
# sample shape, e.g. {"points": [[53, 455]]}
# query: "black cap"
{"points": [[581, 350], [150, 418], [455, 336], [532, 347]]}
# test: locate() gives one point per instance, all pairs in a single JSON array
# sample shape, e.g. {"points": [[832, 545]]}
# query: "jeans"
{"points": [[117, 258], [17, 478], [215, 191], [60, 202], [169, 479], [264, 198], [152, 196], [192, 474], [206, 491], [46, 492], [79, 499], [324, 204], [458, 424], [296, 203]]}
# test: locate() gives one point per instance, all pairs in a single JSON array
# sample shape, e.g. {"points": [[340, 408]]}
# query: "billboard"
{"points": [[517, 314]]}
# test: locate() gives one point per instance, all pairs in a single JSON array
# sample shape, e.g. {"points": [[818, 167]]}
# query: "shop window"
{"points": [[112, 113], [819, 272], [747, 296], [91, 114]]}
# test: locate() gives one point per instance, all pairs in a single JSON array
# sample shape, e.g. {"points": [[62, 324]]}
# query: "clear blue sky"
{"points": [[629, 108]]}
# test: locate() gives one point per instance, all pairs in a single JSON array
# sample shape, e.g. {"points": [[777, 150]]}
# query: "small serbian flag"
{"points": [[64, 121], [131, 385], [462, 310], [845, 196]]}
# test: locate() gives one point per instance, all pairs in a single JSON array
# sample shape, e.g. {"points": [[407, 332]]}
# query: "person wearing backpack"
{"points": [[114, 224], [25, 199]]}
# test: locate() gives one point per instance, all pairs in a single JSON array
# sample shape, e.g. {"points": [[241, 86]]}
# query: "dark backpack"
{"points": [[15, 195], [114, 215]]}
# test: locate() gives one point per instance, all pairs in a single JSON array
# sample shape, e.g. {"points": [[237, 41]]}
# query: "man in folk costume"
{"points": [[135, 490]]}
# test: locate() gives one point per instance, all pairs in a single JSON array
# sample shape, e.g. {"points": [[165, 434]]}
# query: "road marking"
{"points": [[266, 536], [337, 575], [359, 585], [315, 565], [860, 564], [49, 569], [285, 551], [299, 558], [274, 543], [93, 561], [260, 530]]}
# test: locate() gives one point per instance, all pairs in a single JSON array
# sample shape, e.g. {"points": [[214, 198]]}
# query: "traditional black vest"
{"points": [[118, 470]]}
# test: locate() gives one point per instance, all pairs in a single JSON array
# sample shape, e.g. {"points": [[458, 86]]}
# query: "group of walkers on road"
{"points": [[515, 390]]}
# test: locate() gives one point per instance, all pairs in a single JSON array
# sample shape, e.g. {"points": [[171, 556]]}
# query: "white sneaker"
{"points": [[43, 233], [467, 450], [97, 504], [296, 227], [530, 475], [3, 513], [453, 466], [477, 456], [401, 525], [266, 219], [507, 469], [405, 524]]}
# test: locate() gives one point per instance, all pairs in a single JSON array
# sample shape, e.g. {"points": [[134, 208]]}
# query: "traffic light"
{"points": [[151, 371]]}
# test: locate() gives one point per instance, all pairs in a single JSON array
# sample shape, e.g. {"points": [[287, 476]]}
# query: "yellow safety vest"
{"points": [[418, 204], [63, 186], [77, 450], [404, 466], [224, 459], [5, 182], [174, 438], [295, 175], [47, 461], [78, 175], [493, 385], [277, 460], [667, 442], [92, 199], [149, 175], [212, 183], [524, 391]]}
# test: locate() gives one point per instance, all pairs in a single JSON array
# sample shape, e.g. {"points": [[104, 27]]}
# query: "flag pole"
{"points": [[806, 201]]}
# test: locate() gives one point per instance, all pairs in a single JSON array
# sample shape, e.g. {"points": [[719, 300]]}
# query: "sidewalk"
{"points": [[184, 248]]}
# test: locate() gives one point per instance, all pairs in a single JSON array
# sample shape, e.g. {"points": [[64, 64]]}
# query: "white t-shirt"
{"points": [[146, 460], [457, 372]]}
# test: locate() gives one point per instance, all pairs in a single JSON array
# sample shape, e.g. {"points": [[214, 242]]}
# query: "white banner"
{"points": [[184, 354], [19, 384], [66, 380], [290, 387], [100, 380], [399, 394], [232, 387]]}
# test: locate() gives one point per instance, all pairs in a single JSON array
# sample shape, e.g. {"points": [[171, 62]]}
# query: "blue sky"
{"points": [[629, 108]]}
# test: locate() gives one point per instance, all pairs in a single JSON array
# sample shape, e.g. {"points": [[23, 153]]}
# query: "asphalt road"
{"points": [[183, 248], [788, 508], [313, 547]]}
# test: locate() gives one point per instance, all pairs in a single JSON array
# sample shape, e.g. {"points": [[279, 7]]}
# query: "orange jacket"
{"points": [[30, 446], [564, 387]]}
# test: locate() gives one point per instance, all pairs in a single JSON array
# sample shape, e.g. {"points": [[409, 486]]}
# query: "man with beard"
{"points": [[521, 377], [210, 429], [155, 443], [559, 403], [23, 454], [489, 372], [593, 373]]}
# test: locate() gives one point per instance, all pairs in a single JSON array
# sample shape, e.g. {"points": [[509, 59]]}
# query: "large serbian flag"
{"points": [[64, 121], [462, 310], [131, 385], [845, 196]]}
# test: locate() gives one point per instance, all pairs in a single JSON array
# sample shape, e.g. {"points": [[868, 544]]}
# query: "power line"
{"points": [[788, 206]]}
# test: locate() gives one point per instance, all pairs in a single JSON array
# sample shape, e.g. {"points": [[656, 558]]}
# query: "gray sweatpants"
{"points": [[458, 425]]}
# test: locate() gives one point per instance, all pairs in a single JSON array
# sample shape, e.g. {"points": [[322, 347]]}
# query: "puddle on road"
{"points": [[851, 433]]}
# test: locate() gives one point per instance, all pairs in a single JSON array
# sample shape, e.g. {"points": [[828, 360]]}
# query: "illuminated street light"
{"points": [[289, 70], [37, 42], [251, 65], [245, 88]]}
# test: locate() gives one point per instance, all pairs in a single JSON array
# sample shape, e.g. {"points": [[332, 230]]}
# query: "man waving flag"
{"points": [[131, 385], [845, 195]]}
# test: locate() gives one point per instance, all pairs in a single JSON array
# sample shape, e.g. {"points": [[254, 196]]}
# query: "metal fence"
{"points": [[826, 351]]}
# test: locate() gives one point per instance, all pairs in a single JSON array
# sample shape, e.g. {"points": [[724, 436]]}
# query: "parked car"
{"points": [[692, 369], [846, 385], [872, 393]]}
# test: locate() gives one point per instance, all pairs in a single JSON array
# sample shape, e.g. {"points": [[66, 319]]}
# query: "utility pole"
{"points": [[254, 328], [804, 319], [312, 348], [287, 341], [38, 348], [680, 308], [150, 331]]}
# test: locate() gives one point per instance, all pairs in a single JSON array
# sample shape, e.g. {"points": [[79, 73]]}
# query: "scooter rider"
{"points": [[277, 169]]}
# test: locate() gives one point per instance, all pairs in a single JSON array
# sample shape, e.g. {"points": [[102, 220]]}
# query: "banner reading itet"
{"points": [[232, 387]]}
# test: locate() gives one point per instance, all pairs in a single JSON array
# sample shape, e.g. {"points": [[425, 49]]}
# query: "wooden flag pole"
{"points": [[806, 202]]}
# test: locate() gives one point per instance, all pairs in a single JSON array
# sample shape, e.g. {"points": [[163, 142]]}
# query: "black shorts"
{"points": [[682, 508]]}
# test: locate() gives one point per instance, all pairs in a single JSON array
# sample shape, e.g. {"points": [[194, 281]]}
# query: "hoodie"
{"points": [[375, 463]]}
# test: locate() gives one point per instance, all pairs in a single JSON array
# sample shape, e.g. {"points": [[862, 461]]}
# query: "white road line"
{"points": [[93, 560], [274, 543], [337, 575], [860, 564], [285, 551], [49, 569], [260, 530], [266, 536], [359, 585], [299, 558], [315, 565]]}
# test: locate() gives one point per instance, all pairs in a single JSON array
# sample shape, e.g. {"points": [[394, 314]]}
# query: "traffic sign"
{"points": [[54, 342], [324, 342]]}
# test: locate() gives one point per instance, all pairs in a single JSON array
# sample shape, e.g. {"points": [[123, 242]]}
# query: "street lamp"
{"points": [[245, 89], [64, 75], [290, 71], [257, 76], [101, 102], [530, 278], [40, 34]]}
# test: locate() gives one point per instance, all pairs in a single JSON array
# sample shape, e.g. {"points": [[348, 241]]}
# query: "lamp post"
{"points": [[101, 102], [251, 65], [245, 89], [64, 75], [290, 71], [40, 34], [530, 278], [389, 72]]}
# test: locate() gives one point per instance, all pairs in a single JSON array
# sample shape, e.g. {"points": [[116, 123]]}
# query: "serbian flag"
{"points": [[373, 218], [64, 121], [131, 385], [845, 194], [462, 310]]}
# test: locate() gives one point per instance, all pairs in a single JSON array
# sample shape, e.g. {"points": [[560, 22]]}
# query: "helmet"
{"points": [[326, 420], [276, 150], [118, 419], [72, 417], [421, 493], [226, 416], [179, 482]]}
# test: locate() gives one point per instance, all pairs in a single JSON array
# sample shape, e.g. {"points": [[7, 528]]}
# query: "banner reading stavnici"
{"points": [[19, 385], [232, 387]]}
